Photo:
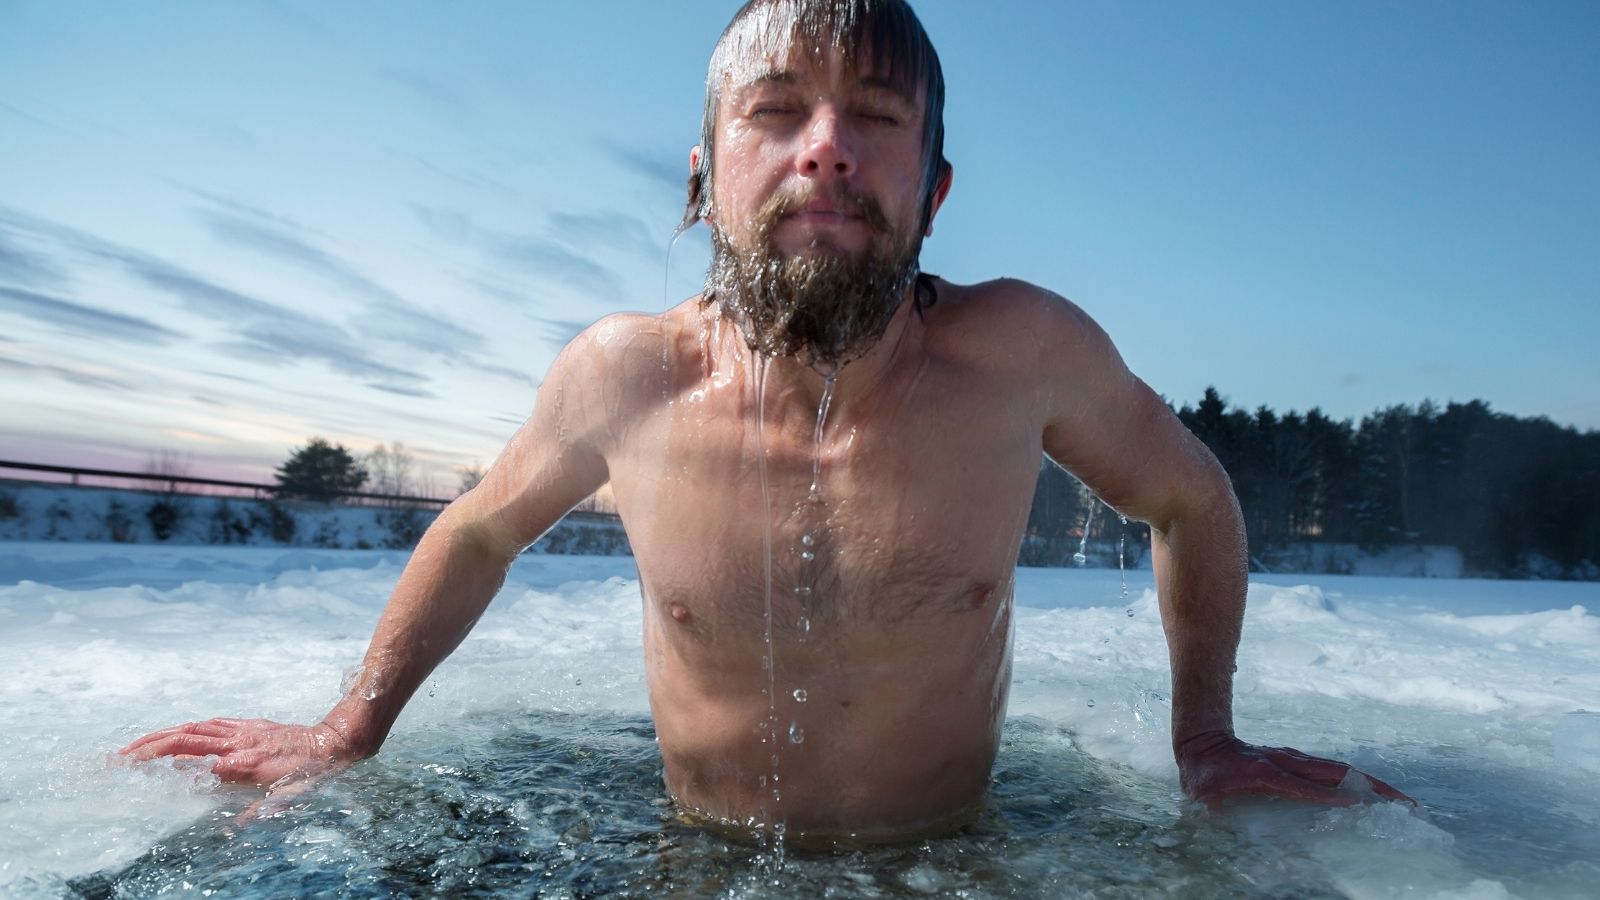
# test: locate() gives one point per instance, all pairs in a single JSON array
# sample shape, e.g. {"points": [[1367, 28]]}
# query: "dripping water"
{"points": [[770, 727], [816, 437], [1122, 558], [666, 275], [1081, 558]]}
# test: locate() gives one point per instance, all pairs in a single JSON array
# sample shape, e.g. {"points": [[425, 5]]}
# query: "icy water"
{"points": [[570, 805], [529, 765]]}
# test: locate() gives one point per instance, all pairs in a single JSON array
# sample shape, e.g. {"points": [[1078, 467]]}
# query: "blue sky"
{"points": [[228, 227]]}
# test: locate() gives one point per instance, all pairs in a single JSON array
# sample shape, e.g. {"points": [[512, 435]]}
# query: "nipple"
{"points": [[679, 612]]}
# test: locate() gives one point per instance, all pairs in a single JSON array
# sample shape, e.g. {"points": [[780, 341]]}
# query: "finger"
{"points": [[249, 813], [182, 744], [209, 728], [1328, 772], [1287, 786], [1385, 790]]}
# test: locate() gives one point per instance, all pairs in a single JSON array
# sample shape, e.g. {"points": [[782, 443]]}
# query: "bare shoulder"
{"points": [[1013, 320]]}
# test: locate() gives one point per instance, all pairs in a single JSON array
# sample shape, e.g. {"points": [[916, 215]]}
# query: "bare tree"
{"points": [[470, 476], [389, 471]]}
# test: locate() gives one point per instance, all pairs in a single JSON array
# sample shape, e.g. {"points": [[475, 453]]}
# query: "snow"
{"points": [[1479, 698]]}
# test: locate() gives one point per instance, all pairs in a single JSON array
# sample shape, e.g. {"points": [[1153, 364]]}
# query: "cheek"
{"points": [[747, 173]]}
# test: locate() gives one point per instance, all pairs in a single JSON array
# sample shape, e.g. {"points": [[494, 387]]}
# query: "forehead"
{"points": [[772, 46]]}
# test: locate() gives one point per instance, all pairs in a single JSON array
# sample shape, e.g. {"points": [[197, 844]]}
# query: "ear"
{"points": [[941, 190], [696, 183]]}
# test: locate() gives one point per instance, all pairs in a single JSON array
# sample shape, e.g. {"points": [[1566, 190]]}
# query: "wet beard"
{"points": [[824, 309]]}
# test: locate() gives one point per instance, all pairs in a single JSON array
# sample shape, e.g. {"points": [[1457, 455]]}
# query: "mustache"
{"points": [[843, 198]]}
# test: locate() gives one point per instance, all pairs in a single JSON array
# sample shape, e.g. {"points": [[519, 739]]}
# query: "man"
{"points": [[824, 464]]}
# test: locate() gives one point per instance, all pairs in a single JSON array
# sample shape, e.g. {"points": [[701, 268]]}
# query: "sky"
{"points": [[228, 227]]}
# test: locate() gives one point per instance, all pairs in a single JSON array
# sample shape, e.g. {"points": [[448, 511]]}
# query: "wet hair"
{"points": [[885, 32]]}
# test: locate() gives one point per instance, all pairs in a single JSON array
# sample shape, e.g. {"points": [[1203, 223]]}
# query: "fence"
{"points": [[111, 478]]}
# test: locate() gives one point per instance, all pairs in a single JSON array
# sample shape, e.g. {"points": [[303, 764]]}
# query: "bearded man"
{"points": [[824, 464]]}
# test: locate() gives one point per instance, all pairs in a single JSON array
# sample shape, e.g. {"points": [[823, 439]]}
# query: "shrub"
{"points": [[59, 514], [119, 525], [404, 526], [226, 528], [327, 534], [271, 519], [163, 516]]}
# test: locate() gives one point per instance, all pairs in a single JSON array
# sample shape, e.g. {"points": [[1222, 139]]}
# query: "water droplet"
{"points": [[804, 625], [577, 681], [808, 539], [807, 555], [371, 693], [1080, 558], [1091, 704], [779, 830], [797, 735], [799, 695], [1130, 612], [774, 765], [1124, 520], [761, 781], [433, 689], [802, 592]]}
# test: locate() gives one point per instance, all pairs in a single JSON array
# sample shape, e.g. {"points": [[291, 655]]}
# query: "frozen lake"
{"points": [[528, 764]]}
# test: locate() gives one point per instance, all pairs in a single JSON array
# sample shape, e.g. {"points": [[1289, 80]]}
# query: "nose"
{"points": [[827, 151]]}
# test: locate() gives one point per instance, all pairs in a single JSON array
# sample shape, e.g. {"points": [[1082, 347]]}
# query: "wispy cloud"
{"points": [[30, 118], [19, 265], [475, 180], [658, 167], [299, 19], [390, 318], [537, 255], [79, 376], [560, 332], [447, 101], [616, 230], [266, 332], [84, 320], [540, 256], [222, 132]]}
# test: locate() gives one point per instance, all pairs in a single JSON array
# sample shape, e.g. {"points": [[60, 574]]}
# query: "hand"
{"points": [[251, 751], [1214, 766]]}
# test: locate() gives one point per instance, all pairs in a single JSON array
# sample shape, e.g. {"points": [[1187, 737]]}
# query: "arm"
{"points": [[1111, 431], [555, 460]]}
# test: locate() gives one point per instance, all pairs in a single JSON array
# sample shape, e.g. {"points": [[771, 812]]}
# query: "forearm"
{"points": [[453, 574], [1201, 571]]}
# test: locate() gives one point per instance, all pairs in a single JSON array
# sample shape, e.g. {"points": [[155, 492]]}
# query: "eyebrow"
{"points": [[787, 78]]}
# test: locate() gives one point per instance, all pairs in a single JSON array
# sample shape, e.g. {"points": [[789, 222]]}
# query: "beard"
{"points": [[824, 307]]}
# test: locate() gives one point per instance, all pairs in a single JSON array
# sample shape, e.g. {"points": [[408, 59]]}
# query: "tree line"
{"points": [[1518, 497]]}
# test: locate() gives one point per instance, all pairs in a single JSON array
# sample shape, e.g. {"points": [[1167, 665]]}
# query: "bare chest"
{"points": [[904, 516]]}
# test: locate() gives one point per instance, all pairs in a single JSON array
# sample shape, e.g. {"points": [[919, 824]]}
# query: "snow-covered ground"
{"points": [[1481, 699], [34, 511]]}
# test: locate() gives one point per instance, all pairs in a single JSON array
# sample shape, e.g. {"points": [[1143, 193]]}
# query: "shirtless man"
{"points": [[876, 550]]}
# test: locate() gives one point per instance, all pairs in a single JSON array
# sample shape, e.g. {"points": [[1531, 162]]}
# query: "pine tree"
{"points": [[320, 471]]}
